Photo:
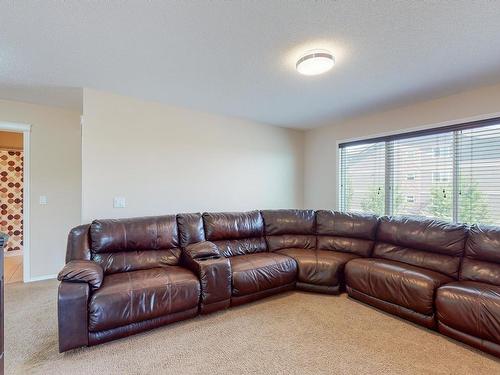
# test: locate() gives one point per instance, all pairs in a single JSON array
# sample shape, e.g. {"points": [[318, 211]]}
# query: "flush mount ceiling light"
{"points": [[315, 62]]}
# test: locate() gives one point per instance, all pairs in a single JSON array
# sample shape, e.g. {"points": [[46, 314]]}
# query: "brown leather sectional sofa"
{"points": [[129, 275]]}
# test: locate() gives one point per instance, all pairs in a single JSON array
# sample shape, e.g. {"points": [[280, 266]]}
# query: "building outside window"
{"points": [[457, 169]]}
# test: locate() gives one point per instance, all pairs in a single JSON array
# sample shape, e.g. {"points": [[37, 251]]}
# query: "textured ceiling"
{"points": [[237, 58]]}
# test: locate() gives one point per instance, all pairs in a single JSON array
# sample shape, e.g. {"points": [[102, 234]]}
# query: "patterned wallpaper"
{"points": [[11, 198]]}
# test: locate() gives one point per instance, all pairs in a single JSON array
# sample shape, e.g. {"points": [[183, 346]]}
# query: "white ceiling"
{"points": [[237, 58]]}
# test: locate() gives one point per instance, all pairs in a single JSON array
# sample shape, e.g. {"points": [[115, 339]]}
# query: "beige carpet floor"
{"points": [[292, 333]]}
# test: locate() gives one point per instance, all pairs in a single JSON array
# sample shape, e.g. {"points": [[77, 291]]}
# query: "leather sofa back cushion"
{"points": [[142, 233], [190, 228], [426, 243], [232, 225], [482, 255], [423, 234], [445, 264], [346, 224], [483, 243], [477, 270], [279, 222], [235, 233], [289, 229], [288, 241], [137, 260], [346, 232]]}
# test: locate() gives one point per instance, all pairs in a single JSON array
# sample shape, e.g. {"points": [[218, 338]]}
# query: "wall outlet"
{"points": [[43, 199], [119, 202]]}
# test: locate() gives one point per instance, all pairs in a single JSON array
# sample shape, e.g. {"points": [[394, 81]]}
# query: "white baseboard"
{"points": [[40, 278]]}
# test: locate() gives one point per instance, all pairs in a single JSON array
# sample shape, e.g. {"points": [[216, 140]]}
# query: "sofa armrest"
{"points": [[214, 273], [82, 271], [72, 315], [200, 250]]}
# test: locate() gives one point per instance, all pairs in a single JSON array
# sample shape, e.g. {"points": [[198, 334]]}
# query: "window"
{"points": [[478, 175], [363, 182], [441, 151], [440, 177], [458, 170]]}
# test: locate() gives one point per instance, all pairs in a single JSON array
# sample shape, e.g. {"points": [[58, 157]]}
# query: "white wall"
{"points": [[320, 150], [56, 173], [169, 160]]}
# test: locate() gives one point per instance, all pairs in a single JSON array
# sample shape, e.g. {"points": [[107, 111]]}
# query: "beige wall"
{"points": [[11, 141], [168, 160], [321, 165], [56, 173]]}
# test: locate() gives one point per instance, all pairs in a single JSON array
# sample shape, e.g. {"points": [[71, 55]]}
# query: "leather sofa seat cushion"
{"points": [[253, 273], [319, 267], [470, 307], [395, 282], [135, 296]]}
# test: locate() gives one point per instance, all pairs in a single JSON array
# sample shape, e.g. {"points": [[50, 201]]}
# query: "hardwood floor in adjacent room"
{"points": [[13, 269]]}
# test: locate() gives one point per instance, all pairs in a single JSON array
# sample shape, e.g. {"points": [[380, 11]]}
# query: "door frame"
{"points": [[26, 130]]}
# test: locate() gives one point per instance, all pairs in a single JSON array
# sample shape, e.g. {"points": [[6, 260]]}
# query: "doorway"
{"points": [[11, 203], [14, 200]]}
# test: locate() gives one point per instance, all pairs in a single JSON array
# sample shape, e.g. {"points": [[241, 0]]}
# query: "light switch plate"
{"points": [[43, 199], [119, 202]]}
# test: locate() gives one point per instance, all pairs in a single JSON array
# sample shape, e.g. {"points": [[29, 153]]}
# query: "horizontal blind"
{"points": [[422, 176], [478, 159], [451, 173], [363, 178]]}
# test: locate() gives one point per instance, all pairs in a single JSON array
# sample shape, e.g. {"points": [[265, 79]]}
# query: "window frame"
{"points": [[453, 129]]}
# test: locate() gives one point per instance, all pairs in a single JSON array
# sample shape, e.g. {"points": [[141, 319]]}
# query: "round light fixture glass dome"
{"points": [[315, 62]]}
